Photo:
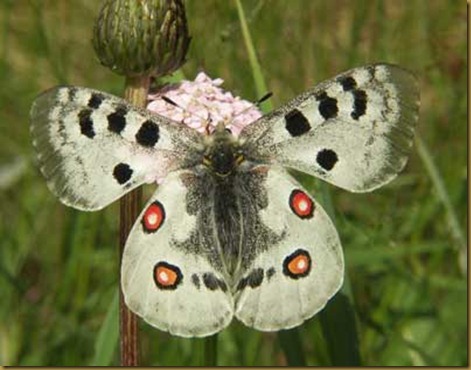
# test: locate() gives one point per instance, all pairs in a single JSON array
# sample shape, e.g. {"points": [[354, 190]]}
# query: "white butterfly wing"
{"points": [[294, 278], [354, 131], [94, 147], [170, 275]]}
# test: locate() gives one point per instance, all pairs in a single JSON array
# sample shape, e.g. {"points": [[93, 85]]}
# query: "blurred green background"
{"points": [[405, 244]]}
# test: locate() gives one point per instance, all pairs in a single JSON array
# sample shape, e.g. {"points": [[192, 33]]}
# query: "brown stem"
{"points": [[130, 205]]}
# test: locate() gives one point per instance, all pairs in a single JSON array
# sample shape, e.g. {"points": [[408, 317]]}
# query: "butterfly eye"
{"points": [[206, 161], [239, 159]]}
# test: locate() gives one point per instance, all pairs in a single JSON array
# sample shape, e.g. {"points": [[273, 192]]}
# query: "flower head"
{"points": [[202, 104], [145, 37]]}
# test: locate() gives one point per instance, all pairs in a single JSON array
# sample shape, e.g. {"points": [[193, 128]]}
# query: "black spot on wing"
{"points": [[255, 278], [327, 159], [359, 104], [222, 285], [122, 173], [71, 93], [242, 284], [195, 280], [117, 120], [327, 106], [348, 83], [296, 123], [86, 123], [148, 134], [95, 100], [210, 281], [270, 272]]}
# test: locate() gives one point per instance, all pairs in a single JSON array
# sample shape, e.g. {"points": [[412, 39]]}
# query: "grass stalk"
{"points": [[260, 85]]}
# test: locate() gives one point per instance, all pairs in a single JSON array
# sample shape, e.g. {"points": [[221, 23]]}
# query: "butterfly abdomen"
{"points": [[234, 218]]}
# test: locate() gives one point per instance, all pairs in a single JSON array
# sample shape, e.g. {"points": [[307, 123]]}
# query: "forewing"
{"points": [[290, 280], [93, 147], [170, 275], [354, 131]]}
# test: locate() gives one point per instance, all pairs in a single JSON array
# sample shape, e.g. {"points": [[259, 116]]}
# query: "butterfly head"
{"points": [[223, 154]]}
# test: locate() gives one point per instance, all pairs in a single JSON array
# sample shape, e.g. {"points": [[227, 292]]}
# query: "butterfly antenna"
{"points": [[265, 97], [171, 102]]}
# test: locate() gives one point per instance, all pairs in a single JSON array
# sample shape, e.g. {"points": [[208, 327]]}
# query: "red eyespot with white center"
{"points": [[153, 218], [167, 276], [301, 204], [297, 264]]}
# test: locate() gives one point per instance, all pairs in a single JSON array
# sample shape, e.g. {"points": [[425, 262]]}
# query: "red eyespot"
{"points": [[297, 264], [167, 276], [301, 204], [154, 217]]}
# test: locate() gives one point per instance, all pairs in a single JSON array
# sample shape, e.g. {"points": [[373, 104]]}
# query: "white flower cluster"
{"points": [[202, 104]]}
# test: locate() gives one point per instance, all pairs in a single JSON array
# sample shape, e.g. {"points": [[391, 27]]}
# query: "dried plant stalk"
{"points": [[130, 207]]}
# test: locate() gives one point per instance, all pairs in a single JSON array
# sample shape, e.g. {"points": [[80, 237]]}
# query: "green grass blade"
{"points": [[107, 339], [291, 343], [340, 331], [437, 181], [211, 351], [260, 85]]}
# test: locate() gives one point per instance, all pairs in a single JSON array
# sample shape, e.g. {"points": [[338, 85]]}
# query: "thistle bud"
{"points": [[141, 37]]}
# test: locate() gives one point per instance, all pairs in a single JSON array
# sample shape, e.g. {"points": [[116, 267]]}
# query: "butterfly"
{"points": [[229, 232]]}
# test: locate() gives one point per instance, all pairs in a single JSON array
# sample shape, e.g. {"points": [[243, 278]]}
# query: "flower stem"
{"points": [[136, 90], [130, 205]]}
